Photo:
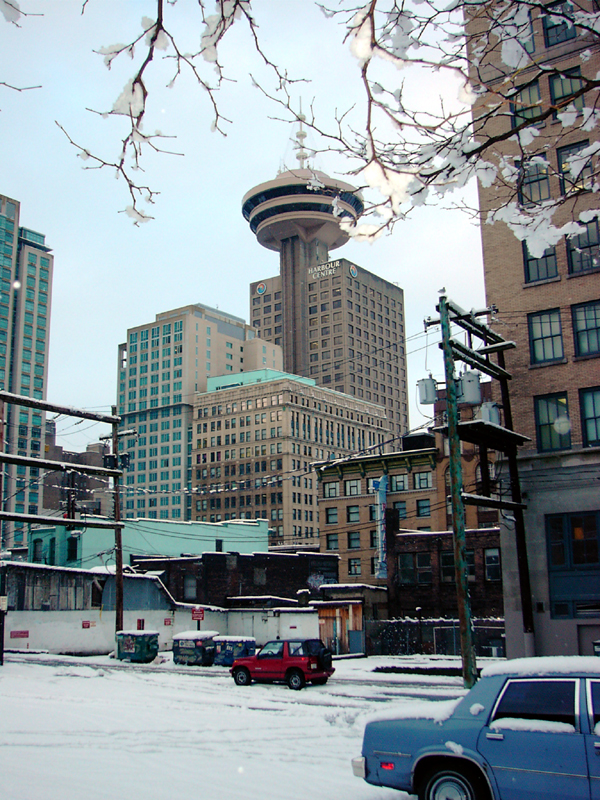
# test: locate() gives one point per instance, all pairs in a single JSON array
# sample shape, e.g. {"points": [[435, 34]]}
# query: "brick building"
{"points": [[219, 578], [418, 489], [421, 576], [550, 307]]}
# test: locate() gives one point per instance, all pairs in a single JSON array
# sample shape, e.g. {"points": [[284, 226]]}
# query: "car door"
{"points": [[592, 740], [533, 741], [269, 661]]}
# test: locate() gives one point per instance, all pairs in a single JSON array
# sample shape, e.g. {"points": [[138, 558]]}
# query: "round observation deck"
{"points": [[287, 206]]}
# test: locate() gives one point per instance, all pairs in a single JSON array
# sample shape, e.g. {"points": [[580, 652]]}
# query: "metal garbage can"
{"points": [[228, 648], [194, 647], [138, 646]]}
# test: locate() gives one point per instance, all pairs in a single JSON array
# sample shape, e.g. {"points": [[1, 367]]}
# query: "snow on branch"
{"points": [[504, 97]]}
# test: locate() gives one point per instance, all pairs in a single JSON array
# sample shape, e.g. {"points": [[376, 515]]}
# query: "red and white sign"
{"points": [[198, 614], [19, 634], [168, 621], [85, 623]]}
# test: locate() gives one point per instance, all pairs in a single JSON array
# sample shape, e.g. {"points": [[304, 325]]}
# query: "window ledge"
{"points": [[583, 273], [549, 363], [586, 357], [542, 282]]}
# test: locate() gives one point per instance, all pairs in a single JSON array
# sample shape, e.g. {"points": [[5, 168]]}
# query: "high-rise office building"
{"points": [[550, 307], [255, 438], [26, 265], [338, 323], [162, 366]]}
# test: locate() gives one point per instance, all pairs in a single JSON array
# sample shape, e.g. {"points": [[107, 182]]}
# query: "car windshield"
{"points": [[272, 650]]}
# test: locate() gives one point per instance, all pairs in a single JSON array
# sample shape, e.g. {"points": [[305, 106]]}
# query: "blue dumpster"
{"points": [[194, 647], [138, 646], [228, 648]]}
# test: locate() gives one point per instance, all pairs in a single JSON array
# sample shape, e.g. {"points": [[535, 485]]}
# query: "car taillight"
{"points": [[386, 765], [312, 664]]}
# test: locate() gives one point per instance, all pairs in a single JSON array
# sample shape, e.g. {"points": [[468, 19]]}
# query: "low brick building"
{"points": [[218, 578], [421, 580]]}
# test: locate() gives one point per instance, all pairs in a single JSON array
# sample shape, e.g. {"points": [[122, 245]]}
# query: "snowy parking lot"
{"points": [[74, 728]]}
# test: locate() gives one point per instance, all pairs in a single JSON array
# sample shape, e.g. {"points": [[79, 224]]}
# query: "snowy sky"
{"points": [[111, 275]]}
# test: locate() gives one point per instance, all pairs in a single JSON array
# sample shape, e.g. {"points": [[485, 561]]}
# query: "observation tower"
{"points": [[297, 214]]}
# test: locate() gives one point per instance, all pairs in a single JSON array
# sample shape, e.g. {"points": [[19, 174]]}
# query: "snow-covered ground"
{"points": [[75, 729]]}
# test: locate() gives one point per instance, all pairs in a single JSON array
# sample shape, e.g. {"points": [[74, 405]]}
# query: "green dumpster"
{"points": [[138, 646]]}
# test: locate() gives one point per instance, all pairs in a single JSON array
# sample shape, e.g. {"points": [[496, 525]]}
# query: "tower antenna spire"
{"points": [[301, 154]]}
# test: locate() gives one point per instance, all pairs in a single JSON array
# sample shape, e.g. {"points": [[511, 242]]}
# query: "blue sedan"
{"points": [[528, 730]]}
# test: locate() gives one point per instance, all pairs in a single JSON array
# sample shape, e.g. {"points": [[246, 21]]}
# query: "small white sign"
{"points": [[3, 603]]}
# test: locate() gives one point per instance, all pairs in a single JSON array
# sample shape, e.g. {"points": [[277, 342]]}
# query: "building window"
{"points": [[583, 249], [573, 542], [447, 572], [492, 564], [423, 563], [526, 104], [331, 489], [352, 514], [406, 568], [586, 328], [590, 416], [354, 566], [400, 507], [331, 516], [352, 488], [545, 337], [332, 541], [353, 540], [564, 86], [422, 480], [424, 508], [534, 181], [540, 269], [72, 548], [553, 426], [558, 23], [574, 168], [398, 483]]}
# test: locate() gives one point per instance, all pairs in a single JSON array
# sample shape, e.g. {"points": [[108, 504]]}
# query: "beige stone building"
{"points": [[255, 438]]}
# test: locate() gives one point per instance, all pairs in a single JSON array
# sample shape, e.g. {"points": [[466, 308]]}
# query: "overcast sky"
{"points": [[111, 275]]}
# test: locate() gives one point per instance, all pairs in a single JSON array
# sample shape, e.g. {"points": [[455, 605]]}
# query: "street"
{"points": [[94, 728]]}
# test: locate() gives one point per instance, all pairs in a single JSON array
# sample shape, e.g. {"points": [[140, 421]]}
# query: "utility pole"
{"points": [[486, 436], [118, 537], [467, 646]]}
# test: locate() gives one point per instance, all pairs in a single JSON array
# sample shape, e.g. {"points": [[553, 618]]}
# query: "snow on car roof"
{"points": [[545, 665]]}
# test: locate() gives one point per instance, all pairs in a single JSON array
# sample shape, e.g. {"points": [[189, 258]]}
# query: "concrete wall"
{"points": [[556, 483], [92, 632]]}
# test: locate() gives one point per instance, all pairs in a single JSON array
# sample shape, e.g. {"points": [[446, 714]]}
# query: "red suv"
{"points": [[293, 661]]}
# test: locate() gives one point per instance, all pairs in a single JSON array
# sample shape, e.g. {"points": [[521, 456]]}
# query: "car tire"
{"points": [[295, 680], [459, 783], [242, 677]]}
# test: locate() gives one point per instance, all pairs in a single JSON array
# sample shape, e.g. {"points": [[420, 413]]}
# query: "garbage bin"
{"points": [[138, 646], [194, 647], [228, 648], [596, 646]]}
